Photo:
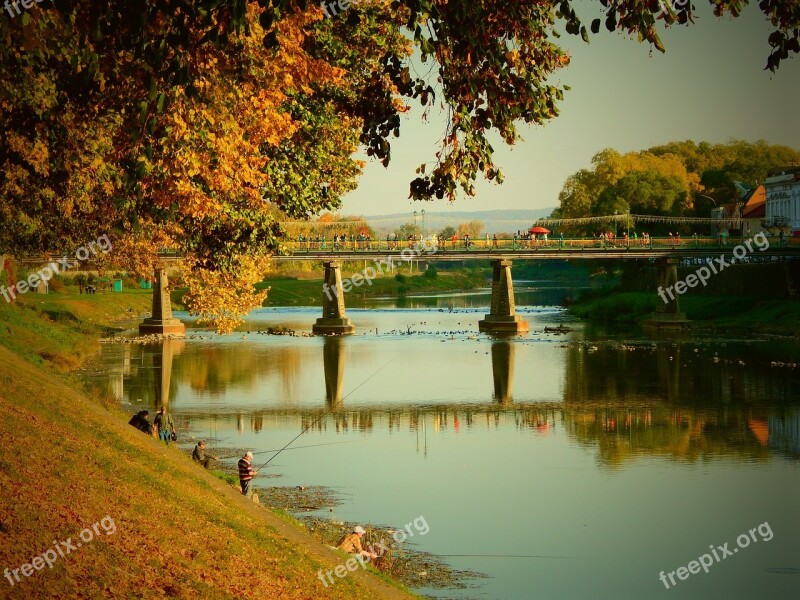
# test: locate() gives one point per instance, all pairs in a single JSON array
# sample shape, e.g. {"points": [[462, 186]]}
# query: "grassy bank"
{"points": [[740, 313], [308, 292], [68, 461]]}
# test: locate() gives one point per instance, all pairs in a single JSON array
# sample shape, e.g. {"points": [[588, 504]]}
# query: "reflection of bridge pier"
{"points": [[161, 319], [333, 364], [502, 370], [333, 320], [502, 317], [162, 356]]}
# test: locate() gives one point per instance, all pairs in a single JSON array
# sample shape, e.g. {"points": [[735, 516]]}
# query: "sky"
{"points": [[710, 85]]}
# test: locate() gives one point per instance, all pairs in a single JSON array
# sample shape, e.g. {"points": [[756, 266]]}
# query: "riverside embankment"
{"points": [[68, 460]]}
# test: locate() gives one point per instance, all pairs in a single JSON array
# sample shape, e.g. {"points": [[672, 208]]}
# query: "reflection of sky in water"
{"points": [[625, 460]]}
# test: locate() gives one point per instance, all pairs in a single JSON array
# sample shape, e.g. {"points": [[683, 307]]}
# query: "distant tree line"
{"points": [[674, 179]]}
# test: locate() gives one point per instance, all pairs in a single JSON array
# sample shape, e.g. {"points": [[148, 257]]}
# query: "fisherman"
{"points": [[246, 472], [163, 424], [141, 422], [351, 543], [199, 454]]}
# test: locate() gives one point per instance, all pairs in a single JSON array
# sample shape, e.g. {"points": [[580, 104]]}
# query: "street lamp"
{"points": [[423, 223], [628, 228]]}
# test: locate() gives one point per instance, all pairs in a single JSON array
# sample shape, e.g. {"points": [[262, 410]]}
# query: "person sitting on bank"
{"points": [[163, 424], [141, 422], [351, 543], [199, 454], [246, 472]]}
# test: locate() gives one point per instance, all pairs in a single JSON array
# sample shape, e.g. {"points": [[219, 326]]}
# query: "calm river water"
{"points": [[575, 465]]}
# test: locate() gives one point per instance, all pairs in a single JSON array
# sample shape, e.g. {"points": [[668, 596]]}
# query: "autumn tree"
{"points": [[200, 125], [472, 228]]}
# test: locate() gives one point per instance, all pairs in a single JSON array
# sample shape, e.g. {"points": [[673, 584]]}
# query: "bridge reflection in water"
{"points": [[623, 417]]}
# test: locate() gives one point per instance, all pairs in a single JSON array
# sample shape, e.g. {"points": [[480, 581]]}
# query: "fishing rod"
{"points": [[319, 418], [308, 446]]}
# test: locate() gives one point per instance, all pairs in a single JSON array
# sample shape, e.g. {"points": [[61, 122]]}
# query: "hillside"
{"points": [[164, 527]]}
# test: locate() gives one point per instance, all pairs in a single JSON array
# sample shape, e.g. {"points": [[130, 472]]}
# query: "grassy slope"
{"points": [[67, 461], [743, 313], [308, 292]]}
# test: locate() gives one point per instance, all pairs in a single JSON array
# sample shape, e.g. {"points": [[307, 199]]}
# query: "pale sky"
{"points": [[710, 85]]}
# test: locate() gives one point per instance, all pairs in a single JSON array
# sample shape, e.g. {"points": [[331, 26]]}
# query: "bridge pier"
{"points": [[502, 317], [334, 320], [668, 313], [161, 320]]}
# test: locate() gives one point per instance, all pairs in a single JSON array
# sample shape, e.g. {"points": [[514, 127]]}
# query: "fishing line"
{"points": [[319, 418], [308, 446]]}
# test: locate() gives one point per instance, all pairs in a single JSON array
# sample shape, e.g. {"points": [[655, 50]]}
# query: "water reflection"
{"points": [[624, 402], [333, 365], [502, 369]]}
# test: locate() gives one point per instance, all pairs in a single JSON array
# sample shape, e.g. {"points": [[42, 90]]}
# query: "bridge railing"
{"points": [[511, 245]]}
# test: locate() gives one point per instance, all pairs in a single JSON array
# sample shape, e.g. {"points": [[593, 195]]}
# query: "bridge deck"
{"points": [[553, 250]]}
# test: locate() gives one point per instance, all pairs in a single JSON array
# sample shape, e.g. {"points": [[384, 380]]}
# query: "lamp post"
{"points": [[628, 228], [423, 223], [715, 206]]}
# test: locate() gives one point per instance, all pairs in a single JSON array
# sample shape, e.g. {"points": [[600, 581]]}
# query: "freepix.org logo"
{"points": [[84, 253], [13, 6]]}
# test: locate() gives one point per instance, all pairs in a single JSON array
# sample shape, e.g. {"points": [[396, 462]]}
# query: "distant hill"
{"points": [[496, 221]]}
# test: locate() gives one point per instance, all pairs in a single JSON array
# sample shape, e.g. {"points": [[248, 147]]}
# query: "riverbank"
{"points": [[68, 461], [286, 291], [745, 314]]}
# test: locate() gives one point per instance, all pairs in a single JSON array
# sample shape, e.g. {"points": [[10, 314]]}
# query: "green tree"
{"points": [[448, 232]]}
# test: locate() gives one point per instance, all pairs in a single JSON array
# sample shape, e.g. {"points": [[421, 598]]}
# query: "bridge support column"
{"points": [[668, 313], [161, 320], [334, 320], [502, 317]]}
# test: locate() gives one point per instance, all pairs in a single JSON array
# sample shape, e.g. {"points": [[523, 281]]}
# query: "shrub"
{"points": [[431, 272], [400, 278]]}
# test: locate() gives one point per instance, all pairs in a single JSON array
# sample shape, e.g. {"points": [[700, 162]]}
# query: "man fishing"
{"points": [[199, 454], [246, 472], [351, 543]]}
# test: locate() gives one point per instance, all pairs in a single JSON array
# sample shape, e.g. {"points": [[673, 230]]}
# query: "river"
{"points": [[573, 465]]}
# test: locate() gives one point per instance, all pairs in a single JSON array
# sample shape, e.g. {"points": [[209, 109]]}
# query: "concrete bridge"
{"points": [[502, 318]]}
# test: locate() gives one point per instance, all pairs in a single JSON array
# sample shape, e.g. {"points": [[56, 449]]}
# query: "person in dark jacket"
{"points": [[141, 422], [199, 454]]}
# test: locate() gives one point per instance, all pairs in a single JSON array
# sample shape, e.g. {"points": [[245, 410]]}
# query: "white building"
{"points": [[783, 200]]}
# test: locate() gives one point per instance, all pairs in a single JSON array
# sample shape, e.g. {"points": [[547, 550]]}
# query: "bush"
{"points": [[400, 278], [57, 285], [431, 272]]}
